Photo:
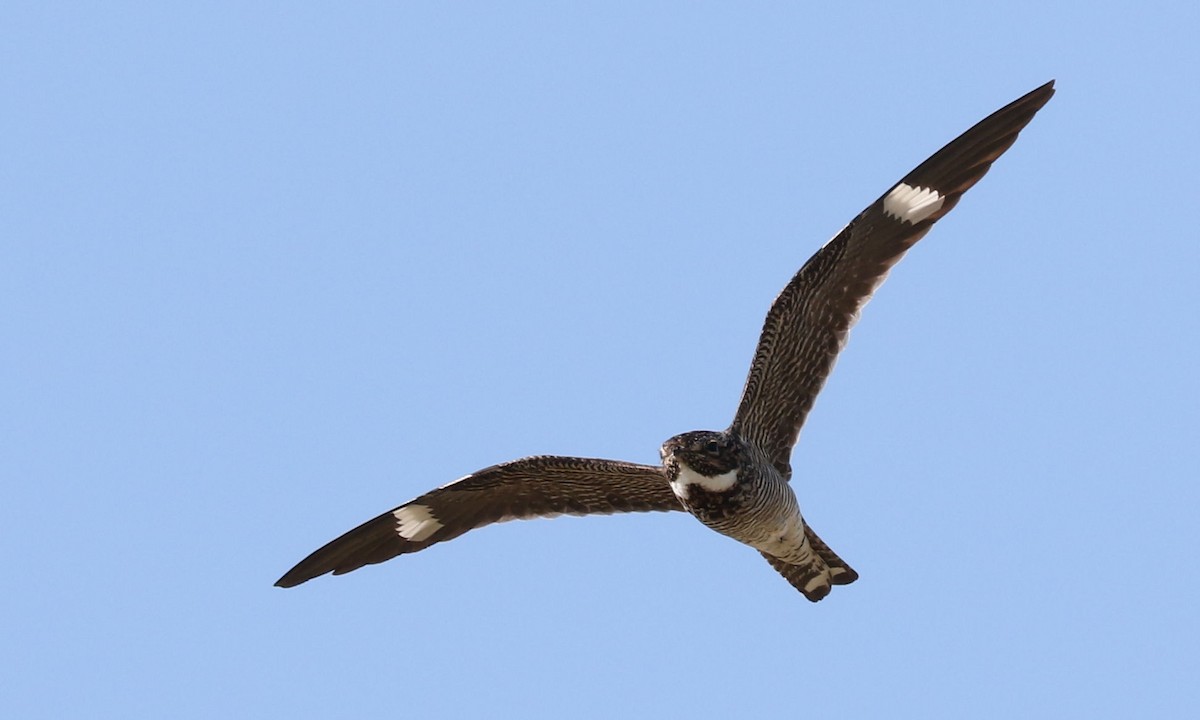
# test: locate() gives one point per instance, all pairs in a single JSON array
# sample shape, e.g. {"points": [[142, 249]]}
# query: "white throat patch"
{"points": [[688, 476]]}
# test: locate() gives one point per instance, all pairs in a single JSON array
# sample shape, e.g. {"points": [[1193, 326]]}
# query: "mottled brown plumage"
{"points": [[542, 486], [810, 320], [734, 481]]}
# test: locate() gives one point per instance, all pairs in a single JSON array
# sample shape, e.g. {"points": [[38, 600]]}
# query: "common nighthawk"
{"points": [[735, 481]]}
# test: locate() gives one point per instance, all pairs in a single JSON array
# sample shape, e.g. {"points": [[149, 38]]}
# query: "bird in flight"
{"points": [[735, 481]]}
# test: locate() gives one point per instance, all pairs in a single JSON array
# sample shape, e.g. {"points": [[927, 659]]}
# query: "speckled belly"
{"points": [[764, 515]]}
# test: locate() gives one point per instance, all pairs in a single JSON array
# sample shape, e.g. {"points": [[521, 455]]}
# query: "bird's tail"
{"points": [[816, 577]]}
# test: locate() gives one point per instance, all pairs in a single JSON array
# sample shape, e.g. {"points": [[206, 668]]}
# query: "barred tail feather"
{"points": [[816, 577], [839, 572]]}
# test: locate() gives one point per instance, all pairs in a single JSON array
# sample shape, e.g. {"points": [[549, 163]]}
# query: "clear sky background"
{"points": [[267, 271]]}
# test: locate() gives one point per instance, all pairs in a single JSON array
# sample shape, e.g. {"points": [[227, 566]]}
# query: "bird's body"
{"points": [[736, 481], [732, 487]]}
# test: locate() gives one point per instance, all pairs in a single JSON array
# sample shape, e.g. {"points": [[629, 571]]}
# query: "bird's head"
{"points": [[706, 458]]}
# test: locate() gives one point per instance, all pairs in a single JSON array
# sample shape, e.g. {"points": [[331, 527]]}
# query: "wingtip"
{"points": [[1034, 100], [289, 582], [1040, 95], [314, 566]]}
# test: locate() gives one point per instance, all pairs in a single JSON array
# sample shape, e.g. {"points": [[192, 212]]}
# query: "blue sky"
{"points": [[267, 271]]}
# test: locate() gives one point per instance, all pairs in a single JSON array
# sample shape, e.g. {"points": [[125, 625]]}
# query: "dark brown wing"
{"points": [[532, 487], [809, 322]]}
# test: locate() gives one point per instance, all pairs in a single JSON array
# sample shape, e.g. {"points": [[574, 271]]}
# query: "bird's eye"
{"points": [[712, 447]]}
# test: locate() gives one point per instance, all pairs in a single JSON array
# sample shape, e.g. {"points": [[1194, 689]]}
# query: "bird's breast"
{"points": [[753, 507], [713, 500]]}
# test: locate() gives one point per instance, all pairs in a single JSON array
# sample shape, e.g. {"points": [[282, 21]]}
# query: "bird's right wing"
{"points": [[542, 486], [810, 320]]}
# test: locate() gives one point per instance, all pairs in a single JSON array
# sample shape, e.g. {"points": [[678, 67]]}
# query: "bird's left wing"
{"points": [[809, 322], [542, 486]]}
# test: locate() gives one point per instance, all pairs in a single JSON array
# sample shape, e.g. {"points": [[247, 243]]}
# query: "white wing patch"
{"points": [[415, 522], [912, 204]]}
